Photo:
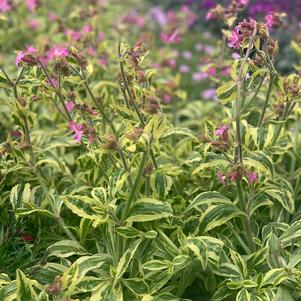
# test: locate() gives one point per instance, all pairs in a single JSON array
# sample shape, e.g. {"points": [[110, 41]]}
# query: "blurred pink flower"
{"points": [[172, 63], [190, 16], [210, 16], [53, 83], [78, 130], [171, 38], [226, 71], [58, 52], [234, 40], [34, 24], [220, 131], [187, 54], [19, 58], [52, 17], [208, 49], [102, 62], [31, 49], [199, 76], [32, 5], [73, 34], [91, 51], [166, 98], [184, 68], [221, 177], [158, 14], [211, 71], [4, 6], [209, 94], [198, 47], [70, 106], [87, 28], [235, 55], [269, 21], [101, 36], [252, 177]]}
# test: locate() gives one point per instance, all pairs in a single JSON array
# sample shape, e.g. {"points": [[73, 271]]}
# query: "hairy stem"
{"points": [[267, 98]]}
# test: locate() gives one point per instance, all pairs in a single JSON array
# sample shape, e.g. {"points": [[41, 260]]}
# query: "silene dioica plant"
{"points": [[106, 196]]}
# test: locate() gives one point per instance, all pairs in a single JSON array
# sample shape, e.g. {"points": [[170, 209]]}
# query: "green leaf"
{"points": [[217, 215], [126, 258], [283, 294], [227, 92], [207, 249], [261, 162], [148, 209], [66, 248], [25, 290], [207, 198], [274, 277], [212, 160]]}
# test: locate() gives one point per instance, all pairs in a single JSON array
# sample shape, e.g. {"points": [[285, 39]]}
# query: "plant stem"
{"points": [[271, 83], [57, 90], [104, 115], [285, 114], [247, 223], [254, 95], [135, 186], [132, 101], [125, 166]]}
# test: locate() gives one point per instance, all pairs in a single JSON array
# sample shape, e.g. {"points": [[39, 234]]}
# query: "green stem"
{"points": [[285, 114], [135, 186], [125, 166], [132, 101], [254, 95], [57, 90], [247, 223], [270, 88], [104, 115]]}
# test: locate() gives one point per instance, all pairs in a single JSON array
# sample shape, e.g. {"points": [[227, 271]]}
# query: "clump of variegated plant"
{"points": [[110, 198]]}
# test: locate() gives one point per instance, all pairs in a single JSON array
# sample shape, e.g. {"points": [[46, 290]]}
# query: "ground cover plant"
{"points": [[149, 153]]}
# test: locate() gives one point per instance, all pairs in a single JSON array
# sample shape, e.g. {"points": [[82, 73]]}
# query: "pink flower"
{"points": [[102, 62], [172, 38], [34, 24], [190, 16], [209, 94], [19, 58], [31, 49], [53, 83], [234, 40], [184, 69], [211, 71], [32, 5], [70, 106], [101, 36], [269, 21], [58, 52], [172, 63], [199, 76], [87, 28], [208, 49], [73, 34], [252, 177], [221, 177], [4, 6], [187, 55], [52, 17], [158, 14], [91, 51], [210, 16], [220, 131], [235, 55], [94, 112], [198, 47], [78, 130], [226, 71], [166, 98]]}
